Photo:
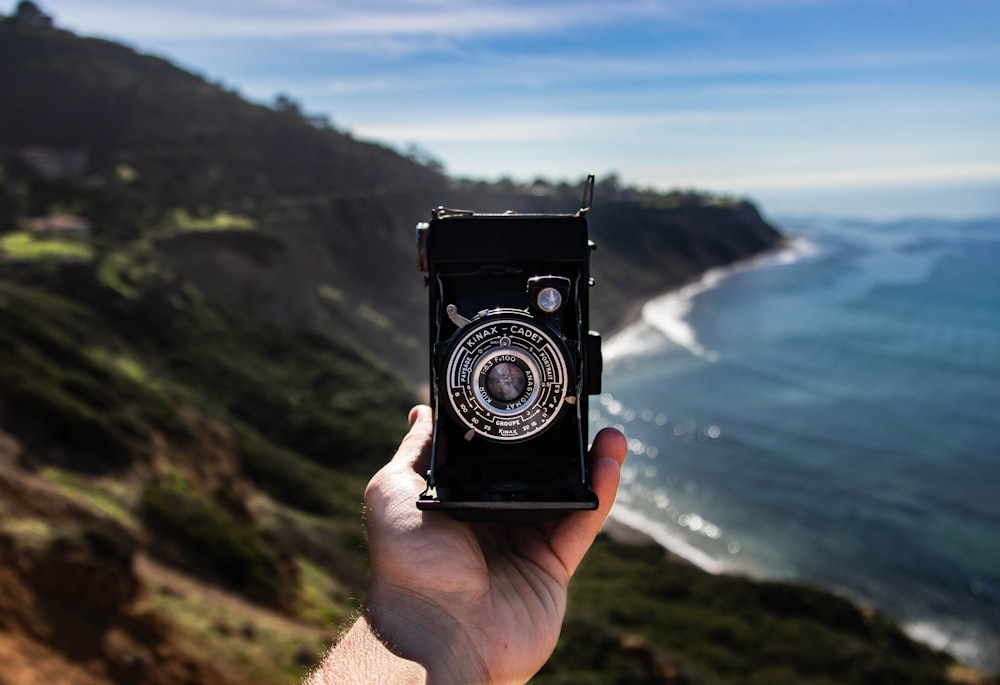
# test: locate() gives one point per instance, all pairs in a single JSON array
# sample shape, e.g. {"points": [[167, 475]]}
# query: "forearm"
{"points": [[361, 657]]}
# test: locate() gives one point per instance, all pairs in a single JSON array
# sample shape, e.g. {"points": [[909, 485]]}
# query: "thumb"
{"points": [[574, 535], [414, 450]]}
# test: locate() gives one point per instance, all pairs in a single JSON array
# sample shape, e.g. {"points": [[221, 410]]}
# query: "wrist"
{"points": [[361, 657], [420, 631]]}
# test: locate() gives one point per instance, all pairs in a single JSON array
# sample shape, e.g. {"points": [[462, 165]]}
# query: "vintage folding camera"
{"points": [[512, 362]]}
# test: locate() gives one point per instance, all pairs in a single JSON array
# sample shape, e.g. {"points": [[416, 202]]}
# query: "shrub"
{"points": [[285, 476], [239, 556]]}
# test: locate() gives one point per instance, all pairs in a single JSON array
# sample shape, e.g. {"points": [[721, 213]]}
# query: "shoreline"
{"points": [[662, 318], [634, 312], [628, 527]]}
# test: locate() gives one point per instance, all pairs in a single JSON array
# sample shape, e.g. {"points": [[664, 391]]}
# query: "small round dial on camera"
{"points": [[506, 376], [548, 294]]}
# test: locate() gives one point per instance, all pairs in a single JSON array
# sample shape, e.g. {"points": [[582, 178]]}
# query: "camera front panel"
{"points": [[508, 320]]}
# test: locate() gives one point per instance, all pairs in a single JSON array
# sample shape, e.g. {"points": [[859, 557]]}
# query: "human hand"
{"points": [[473, 602]]}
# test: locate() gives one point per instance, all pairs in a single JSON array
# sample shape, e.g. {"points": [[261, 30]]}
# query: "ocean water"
{"points": [[830, 413]]}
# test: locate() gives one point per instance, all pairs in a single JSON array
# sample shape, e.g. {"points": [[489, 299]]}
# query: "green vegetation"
{"points": [[106, 382], [161, 411], [219, 221], [111, 497], [171, 507], [323, 600], [127, 271], [71, 363], [634, 616], [51, 383], [33, 532], [126, 366], [27, 245], [275, 651], [293, 480]]}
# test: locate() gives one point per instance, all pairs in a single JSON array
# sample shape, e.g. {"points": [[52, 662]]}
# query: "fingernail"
{"points": [[610, 459]]}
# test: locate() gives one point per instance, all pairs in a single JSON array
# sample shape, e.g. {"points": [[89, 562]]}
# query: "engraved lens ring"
{"points": [[506, 378]]}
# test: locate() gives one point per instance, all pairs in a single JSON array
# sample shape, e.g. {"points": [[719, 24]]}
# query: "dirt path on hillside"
{"points": [[26, 662]]}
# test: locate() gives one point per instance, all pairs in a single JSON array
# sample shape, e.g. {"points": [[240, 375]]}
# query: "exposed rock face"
{"points": [[69, 594], [68, 598]]}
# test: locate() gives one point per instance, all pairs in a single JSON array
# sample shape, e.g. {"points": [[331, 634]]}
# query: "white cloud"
{"points": [[853, 177], [530, 127], [399, 19], [733, 77], [881, 114], [219, 20]]}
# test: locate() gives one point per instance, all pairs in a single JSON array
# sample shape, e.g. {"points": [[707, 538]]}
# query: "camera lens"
{"points": [[505, 382], [506, 377]]}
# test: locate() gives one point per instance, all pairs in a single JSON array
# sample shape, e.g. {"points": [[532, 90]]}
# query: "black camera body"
{"points": [[512, 363]]}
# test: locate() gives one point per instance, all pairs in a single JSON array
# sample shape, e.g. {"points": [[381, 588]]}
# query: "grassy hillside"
{"points": [[180, 433]]}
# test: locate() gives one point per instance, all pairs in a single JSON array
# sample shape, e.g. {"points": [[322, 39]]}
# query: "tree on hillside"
{"points": [[284, 103], [30, 14]]}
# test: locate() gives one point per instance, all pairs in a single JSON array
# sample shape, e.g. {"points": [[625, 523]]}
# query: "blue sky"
{"points": [[873, 108]]}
